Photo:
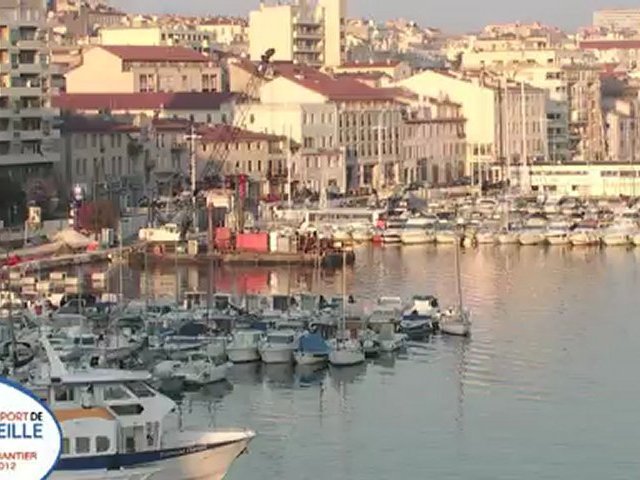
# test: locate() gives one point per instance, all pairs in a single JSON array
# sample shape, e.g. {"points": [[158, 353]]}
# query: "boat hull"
{"points": [[276, 355], [192, 461], [346, 358], [243, 354], [307, 358], [459, 329]]}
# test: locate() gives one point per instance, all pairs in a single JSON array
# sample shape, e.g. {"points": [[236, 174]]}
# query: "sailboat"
{"points": [[456, 320], [346, 352]]}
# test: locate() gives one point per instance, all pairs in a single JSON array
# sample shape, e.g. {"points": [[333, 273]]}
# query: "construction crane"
{"points": [[212, 175], [214, 167]]}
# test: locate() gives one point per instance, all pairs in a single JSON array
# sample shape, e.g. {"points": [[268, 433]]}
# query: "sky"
{"points": [[450, 15]]}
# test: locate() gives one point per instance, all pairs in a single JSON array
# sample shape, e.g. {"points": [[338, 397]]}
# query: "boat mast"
{"points": [[457, 272], [343, 325]]}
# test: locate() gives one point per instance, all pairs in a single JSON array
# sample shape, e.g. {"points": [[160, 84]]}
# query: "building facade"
{"points": [[310, 33], [200, 107], [618, 19], [165, 35], [29, 138], [367, 122], [434, 143], [133, 69], [506, 122]]}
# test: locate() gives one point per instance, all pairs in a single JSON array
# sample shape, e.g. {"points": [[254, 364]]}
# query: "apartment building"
{"points": [[622, 131], [624, 53], [29, 139], [305, 32], [617, 19], [97, 154], [201, 107], [434, 142], [367, 121], [226, 30], [133, 69], [158, 35], [506, 122]]}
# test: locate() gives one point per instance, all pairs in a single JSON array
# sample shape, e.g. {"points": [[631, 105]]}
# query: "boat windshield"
{"points": [[140, 389], [280, 339]]}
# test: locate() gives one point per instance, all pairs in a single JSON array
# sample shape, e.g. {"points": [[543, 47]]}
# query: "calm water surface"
{"points": [[545, 388]]}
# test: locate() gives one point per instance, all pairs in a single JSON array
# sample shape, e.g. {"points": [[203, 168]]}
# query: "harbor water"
{"points": [[543, 389]]}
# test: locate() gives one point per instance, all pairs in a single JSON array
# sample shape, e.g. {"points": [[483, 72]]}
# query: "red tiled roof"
{"points": [[225, 21], [228, 133], [136, 53], [339, 89], [92, 124], [141, 101], [610, 44]]}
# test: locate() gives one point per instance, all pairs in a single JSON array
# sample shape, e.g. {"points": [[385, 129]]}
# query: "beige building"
{"points": [[624, 54], [131, 69], [434, 143], [226, 30], [96, 155], [29, 138], [303, 31], [503, 126], [165, 35], [618, 19], [368, 122], [623, 130]]}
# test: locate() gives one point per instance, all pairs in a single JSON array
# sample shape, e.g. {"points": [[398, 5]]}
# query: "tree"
{"points": [[94, 216]]}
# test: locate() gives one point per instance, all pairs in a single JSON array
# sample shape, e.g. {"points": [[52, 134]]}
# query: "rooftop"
{"points": [[142, 101], [137, 53], [371, 64], [228, 133], [606, 44]]}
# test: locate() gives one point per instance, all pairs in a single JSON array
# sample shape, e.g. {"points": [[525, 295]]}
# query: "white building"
{"points": [[502, 125], [306, 32], [165, 35], [617, 19], [29, 141]]}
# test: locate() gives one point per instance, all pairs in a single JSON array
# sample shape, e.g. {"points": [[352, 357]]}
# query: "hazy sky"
{"points": [[452, 15]]}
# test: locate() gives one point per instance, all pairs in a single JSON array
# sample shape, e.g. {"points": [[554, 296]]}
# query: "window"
{"points": [[63, 393], [259, 165], [132, 409], [249, 166], [66, 446], [114, 392], [83, 445], [102, 444]]}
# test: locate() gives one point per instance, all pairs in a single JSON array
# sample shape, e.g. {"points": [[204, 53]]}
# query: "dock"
{"points": [[326, 260]]}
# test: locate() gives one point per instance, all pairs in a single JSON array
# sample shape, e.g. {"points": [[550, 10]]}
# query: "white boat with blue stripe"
{"points": [[116, 426]]}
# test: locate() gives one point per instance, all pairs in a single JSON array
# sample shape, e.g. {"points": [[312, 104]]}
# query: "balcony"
{"points": [[29, 44], [28, 135], [30, 68], [6, 135], [23, 91]]}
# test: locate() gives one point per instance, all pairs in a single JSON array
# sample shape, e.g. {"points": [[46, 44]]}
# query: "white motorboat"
{"points": [[243, 346], [635, 239], [618, 235], [421, 317], [382, 315], [342, 235], [277, 346], [445, 237], [584, 237], [531, 236], [168, 233], [557, 237], [393, 231], [418, 231], [195, 369], [508, 237], [114, 423], [485, 237]]}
